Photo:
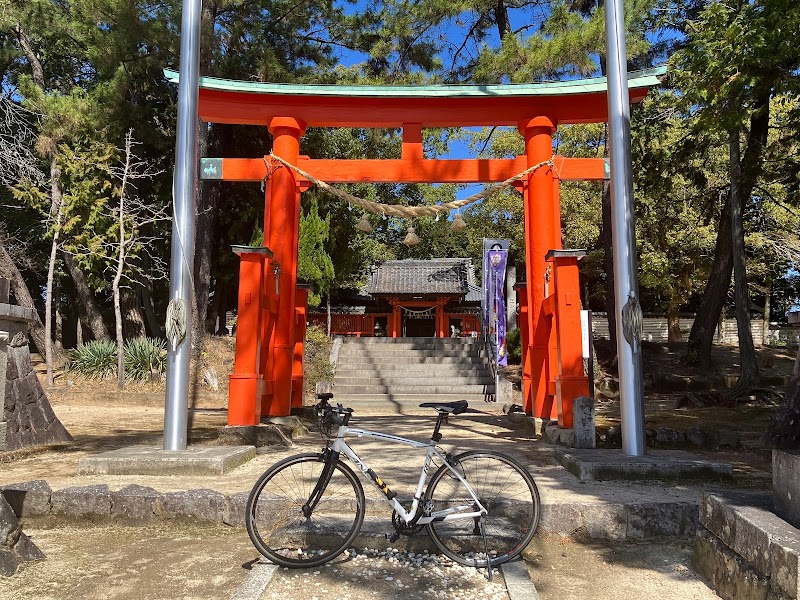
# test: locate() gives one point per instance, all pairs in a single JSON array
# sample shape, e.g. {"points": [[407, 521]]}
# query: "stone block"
{"points": [[729, 574], [655, 519], [746, 525], [784, 569], [87, 502], [584, 422], [292, 426], [8, 563], [3, 428], [665, 435], [606, 521], [150, 460], [235, 506], [611, 464], [266, 434], [602, 521], [135, 503], [561, 518], [26, 550], [9, 526], [786, 485], [29, 498], [193, 505]]}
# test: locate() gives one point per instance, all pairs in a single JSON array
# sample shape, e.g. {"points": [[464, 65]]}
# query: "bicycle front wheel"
{"points": [[281, 531], [504, 488]]}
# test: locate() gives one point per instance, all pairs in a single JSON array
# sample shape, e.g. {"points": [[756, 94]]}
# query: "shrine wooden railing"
{"points": [[357, 325], [364, 325]]}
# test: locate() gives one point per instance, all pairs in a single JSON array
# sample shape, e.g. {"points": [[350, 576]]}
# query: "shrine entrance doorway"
{"points": [[419, 322]]}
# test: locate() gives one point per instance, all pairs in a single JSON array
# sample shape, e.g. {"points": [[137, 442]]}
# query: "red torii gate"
{"points": [[269, 315]]}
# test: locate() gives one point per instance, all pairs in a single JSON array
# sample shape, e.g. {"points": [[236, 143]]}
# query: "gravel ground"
{"points": [[391, 574]]}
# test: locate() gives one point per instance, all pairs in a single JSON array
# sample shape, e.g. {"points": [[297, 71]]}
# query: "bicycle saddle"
{"points": [[455, 408]]}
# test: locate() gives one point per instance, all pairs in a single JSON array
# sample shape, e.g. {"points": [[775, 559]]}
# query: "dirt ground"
{"points": [[211, 562], [111, 561]]}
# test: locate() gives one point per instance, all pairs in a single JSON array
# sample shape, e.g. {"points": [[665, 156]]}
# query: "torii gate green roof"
{"points": [[314, 105], [636, 79]]}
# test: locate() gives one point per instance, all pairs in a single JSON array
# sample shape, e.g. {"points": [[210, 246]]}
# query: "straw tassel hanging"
{"points": [[459, 224], [411, 238], [364, 224]]}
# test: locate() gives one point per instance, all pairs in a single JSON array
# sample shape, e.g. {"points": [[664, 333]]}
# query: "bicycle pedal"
{"points": [[392, 537]]}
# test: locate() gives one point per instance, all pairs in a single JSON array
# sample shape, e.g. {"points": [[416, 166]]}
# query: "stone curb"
{"points": [[766, 544], [138, 504]]}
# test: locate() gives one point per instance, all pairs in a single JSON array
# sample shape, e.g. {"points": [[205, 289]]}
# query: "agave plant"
{"points": [[96, 359], [145, 359]]}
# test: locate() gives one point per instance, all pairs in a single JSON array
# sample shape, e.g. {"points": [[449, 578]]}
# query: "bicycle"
{"points": [[481, 508]]}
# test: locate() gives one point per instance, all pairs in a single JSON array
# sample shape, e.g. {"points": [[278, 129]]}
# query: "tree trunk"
{"points": [[116, 291], [79, 332], [748, 370], [765, 338], [784, 431], [56, 210], [674, 335], [145, 291], [94, 318], [9, 271], [59, 319], [133, 319], [207, 196], [701, 337], [501, 18]]}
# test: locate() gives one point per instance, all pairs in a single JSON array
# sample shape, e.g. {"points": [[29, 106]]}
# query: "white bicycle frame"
{"points": [[452, 513]]}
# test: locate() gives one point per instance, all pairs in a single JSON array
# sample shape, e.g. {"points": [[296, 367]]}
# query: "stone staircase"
{"points": [[412, 370]]}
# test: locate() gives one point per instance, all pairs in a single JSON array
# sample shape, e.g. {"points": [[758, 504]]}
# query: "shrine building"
{"points": [[411, 298]]}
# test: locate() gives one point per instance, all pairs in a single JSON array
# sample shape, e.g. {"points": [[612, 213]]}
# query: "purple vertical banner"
{"points": [[497, 268]]}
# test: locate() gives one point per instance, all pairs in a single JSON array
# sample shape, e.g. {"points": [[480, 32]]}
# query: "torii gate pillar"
{"points": [[284, 228], [540, 236]]}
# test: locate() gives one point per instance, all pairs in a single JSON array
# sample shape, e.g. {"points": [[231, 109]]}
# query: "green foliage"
{"points": [[314, 265], [145, 358], [95, 360], [514, 346], [316, 358]]}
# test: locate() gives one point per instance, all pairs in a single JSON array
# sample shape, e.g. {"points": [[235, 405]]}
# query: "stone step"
{"points": [[422, 380], [395, 369], [413, 389], [393, 354], [401, 341]]}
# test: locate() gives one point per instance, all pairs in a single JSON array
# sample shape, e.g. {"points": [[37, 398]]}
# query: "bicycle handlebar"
{"points": [[333, 415]]}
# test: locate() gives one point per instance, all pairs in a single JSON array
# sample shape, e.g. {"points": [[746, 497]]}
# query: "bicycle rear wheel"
{"points": [[504, 488], [277, 525]]}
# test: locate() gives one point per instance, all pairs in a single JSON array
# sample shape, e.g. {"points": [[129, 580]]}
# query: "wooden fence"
{"points": [[654, 329]]}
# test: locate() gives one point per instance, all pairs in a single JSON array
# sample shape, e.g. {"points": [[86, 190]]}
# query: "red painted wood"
{"points": [[415, 171], [244, 108]]}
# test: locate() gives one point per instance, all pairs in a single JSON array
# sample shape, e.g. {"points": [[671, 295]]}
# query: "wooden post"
{"points": [[570, 380], [244, 391], [300, 312], [540, 237], [284, 224]]}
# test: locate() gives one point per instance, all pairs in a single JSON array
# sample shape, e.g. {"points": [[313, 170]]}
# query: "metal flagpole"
{"points": [[176, 410], [626, 292]]}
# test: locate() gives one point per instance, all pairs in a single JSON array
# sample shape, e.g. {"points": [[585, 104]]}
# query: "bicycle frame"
{"points": [[341, 447]]}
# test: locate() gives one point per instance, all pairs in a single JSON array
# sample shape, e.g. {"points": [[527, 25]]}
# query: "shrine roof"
{"points": [[318, 105], [444, 276]]}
